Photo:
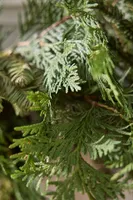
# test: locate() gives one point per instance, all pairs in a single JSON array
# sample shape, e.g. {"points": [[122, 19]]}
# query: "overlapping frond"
{"points": [[84, 107], [71, 50], [63, 139]]}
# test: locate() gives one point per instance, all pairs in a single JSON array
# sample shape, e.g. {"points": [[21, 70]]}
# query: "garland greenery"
{"points": [[73, 66]]}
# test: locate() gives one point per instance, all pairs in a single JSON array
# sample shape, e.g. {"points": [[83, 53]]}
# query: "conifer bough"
{"points": [[74, 66]]}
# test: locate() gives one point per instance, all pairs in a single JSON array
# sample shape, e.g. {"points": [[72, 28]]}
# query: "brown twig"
{"points": [[91, 100], [115, 2], [64, 19], [23, 44], [94, 103]]}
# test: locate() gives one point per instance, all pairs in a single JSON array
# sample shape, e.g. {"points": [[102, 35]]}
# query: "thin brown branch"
{"points": [[97, 104], [23, 44], [115, 2], [93, 101], [64, 19]]}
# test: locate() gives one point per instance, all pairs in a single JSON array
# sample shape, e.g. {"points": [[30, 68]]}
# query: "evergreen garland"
{"points": [[73, 65]]}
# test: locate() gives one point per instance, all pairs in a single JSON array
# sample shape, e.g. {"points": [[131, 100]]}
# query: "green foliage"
{"points": [[39, 14], [19, 75], [11, 189], [117, 22], [60, 150], [63, 49], [70, 63]]}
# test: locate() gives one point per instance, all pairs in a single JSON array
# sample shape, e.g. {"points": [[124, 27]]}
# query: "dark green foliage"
{"points": [[11, 189], [75, 59], [16, 78], [62, 142], [15, 75]]}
